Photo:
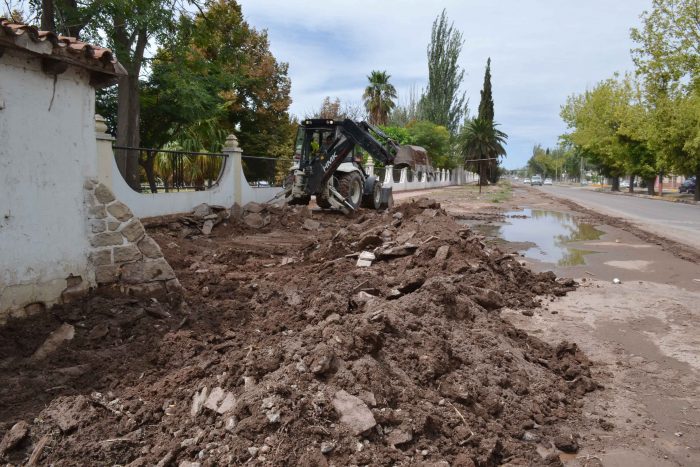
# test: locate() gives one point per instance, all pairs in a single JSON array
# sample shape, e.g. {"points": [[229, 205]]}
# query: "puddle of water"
{"points": [[551, 232]]}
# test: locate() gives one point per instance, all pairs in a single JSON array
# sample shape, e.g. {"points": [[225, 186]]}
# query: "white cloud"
{"points": [[542, 51]]}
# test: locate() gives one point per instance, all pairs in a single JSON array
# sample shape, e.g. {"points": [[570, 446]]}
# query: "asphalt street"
{"points": [[676, 221]]}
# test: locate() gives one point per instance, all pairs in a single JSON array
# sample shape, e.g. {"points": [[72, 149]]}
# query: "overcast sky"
{"points": [[541, 52]]}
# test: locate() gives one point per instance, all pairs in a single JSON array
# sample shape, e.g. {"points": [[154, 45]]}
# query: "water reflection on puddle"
{"points": [[551, 233]]}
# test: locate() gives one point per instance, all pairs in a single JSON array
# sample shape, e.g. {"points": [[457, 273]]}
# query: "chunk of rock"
{"points": [[398, 437], [396, 252], [442, 253], [207, 227], [489, 299], [65, 332], [255, 220], [220, 401], [14, 436], [566, 442], [353, 412], [201, 211], [68, 413], [327, 447], [198, 401], [310, 224]]}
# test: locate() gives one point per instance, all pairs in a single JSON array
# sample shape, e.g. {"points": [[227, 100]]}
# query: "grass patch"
{"points": [[505, 191]]}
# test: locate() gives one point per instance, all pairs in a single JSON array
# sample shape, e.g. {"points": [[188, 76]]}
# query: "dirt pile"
{"points": [[285, 352]]}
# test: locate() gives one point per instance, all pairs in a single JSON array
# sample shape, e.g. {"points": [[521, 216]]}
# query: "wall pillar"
{"points": [[235, 157], [105, 154]]}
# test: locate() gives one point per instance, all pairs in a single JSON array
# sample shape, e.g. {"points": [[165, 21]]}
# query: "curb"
{"points": [[655, 197]]}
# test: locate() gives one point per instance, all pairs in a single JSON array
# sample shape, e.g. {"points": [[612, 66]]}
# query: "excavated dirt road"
{"points": [[285, 352]]}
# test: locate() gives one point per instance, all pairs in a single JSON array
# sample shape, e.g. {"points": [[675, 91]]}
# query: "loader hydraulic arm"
{"points": [[348, 135]]}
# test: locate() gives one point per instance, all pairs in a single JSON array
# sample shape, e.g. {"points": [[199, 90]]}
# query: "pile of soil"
{"points": [[285, 352]]}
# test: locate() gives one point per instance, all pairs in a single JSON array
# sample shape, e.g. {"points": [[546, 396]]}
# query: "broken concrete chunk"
{"points": [[198, 401], [367, 255], [14, 436], [489, 299], [397, 437], [201, 211], [406, 236], [442, 253], [207, 227], [255, 220], [353, 412], [310, 224], [65, 332], [220, 401], [429, 213], [396, 252], [363, 263]]}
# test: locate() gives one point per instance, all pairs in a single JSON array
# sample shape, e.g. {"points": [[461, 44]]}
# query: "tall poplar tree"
{"points": [[441, 102]]}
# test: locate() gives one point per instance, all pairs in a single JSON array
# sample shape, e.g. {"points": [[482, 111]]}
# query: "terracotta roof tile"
{"points": [[62, 47]]}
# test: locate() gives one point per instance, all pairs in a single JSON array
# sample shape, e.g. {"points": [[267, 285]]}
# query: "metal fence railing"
{"points": [[170, 170], [266, 171]]}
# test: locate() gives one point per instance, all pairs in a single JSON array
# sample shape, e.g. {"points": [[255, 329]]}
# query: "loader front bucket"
{"points": [[414, 157]]}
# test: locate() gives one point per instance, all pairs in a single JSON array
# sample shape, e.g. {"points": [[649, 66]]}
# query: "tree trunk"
{"points": [[697, 181], [147, 165], [615, 184], [631, 184], [650, 186], [48, 22], [128, 129]]}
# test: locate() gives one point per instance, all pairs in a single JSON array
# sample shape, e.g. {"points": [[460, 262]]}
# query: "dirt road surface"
{"points": [[642, 333]]}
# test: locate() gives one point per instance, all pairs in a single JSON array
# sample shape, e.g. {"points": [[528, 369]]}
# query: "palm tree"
{"points": [[379, 97], [481, 143]]}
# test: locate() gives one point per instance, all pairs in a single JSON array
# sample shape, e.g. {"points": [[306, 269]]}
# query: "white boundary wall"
{"points": [[47, 149], [232, 186]]}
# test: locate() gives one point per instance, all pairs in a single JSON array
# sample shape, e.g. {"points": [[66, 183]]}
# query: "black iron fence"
{"points": [[266, 171], [168, 170]]}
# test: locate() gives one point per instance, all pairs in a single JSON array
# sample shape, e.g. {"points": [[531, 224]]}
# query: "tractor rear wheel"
{"points": [[350, 188]]}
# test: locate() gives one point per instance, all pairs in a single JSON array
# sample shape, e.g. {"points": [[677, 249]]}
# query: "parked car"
{"points": [[526, 181], [536, 180], [688, 186], [624, 184], [547, 181]]}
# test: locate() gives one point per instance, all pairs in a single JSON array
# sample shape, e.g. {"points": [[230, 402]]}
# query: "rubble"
{"points": [[353, 412], [316, 362]]}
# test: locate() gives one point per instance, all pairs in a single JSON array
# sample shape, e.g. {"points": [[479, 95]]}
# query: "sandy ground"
{"points": [[641, 333]]}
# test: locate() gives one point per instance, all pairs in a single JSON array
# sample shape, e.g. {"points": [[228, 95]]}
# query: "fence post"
{"points": [[104, 151], [369, 168], [234, 153]]}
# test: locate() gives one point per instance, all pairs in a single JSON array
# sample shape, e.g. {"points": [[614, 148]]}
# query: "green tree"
{"points": [[435, 139], [486, 113], [594, 118], [668, 51], [486, 102], [441, 103], [481, 140], [379, 97], [667, 56]]}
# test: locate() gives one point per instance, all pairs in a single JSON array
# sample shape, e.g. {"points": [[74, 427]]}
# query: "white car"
{"points": [[547, 181], [526, 181], [624, 184]]}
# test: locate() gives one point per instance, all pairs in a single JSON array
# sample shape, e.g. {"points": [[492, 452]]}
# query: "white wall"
{"points": [[45, 155]]}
